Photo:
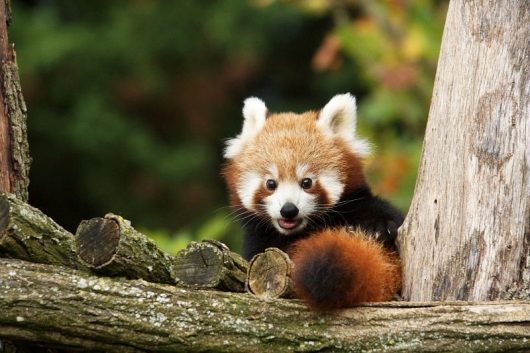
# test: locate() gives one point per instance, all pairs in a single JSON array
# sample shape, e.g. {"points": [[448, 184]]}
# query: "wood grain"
{"points": [[269, 275], [210, 264], [467, 234]]}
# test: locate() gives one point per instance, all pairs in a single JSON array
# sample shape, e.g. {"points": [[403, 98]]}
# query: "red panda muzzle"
{"points": [[336, 269]]}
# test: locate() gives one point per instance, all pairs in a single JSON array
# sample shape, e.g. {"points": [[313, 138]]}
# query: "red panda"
{"points": [[296, 183]]}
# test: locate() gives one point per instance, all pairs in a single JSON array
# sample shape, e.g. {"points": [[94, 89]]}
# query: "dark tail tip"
{"points": [[334, 269]]}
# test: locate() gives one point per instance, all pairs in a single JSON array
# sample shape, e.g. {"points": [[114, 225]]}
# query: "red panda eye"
{"points": [[306, 183], [271, 184]]}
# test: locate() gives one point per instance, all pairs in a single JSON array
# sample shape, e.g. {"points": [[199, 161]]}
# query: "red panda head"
{"points": [[288, 168]]}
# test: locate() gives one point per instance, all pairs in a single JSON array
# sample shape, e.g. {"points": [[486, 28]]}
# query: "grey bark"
{"points": [[467, 234], [111, 246], [210, 264], [70, 309], [14, 150], [28, 234]]}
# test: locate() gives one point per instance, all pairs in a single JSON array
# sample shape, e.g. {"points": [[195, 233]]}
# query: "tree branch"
{"points": [[111, 246], [67, 308], [28, 234]]}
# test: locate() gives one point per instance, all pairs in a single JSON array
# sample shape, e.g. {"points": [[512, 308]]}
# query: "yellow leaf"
{"points": [[413, 46]]}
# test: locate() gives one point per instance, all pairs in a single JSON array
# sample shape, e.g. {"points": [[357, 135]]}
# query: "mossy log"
{"points": [[269, 275], [210, 264], [60, 307], [111, 246], [28, 234]]}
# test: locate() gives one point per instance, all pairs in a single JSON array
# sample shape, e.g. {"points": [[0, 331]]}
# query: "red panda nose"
{"points": [[289, 210]]}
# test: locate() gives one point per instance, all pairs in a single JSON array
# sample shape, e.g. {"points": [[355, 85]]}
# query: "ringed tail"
{"points": [[335, 269]]}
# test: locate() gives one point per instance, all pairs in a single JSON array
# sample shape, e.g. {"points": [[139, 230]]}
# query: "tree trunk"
{"points": [[467, 234], [14, 150], [70, 309]]}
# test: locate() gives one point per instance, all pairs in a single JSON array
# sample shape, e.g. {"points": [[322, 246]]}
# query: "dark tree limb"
{"points": [[210, 264], [111, 246], [14, 149], [269, 274], [65, 308], [28, 234]]}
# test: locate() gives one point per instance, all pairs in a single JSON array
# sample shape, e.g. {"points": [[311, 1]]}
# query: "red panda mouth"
{"points": [[289, 224]]}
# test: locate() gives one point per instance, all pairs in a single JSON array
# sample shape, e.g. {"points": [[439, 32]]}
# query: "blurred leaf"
{"points": [[129, 102]]}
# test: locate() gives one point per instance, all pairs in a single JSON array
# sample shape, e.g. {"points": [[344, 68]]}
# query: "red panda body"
{"points": [[296, 182]]}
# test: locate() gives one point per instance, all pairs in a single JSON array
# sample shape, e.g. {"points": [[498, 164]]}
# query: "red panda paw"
{"points": [[336, 269]]}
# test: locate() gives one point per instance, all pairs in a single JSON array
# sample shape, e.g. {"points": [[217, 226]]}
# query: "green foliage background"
{"points": [[129, 101]]}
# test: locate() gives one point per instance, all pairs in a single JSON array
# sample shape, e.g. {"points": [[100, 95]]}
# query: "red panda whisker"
{"points": [[262, 221], [229, 215], [233, 217], [326, 216], [225, 208], [237, 214], [341, 203], [249, 216], [241, 213], [250, 219], [239, 210], [318, 216]]}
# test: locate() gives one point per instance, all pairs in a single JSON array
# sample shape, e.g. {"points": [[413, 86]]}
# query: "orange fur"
{"points": [[336, 269], [231, 174], [287, 139], [333, 267]]}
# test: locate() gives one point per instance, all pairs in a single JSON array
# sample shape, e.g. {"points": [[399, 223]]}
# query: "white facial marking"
{"points": [[273, 172], [338, 118], [301, 171], [255, 114], [289, 192], [331, 183], [248, 185]]}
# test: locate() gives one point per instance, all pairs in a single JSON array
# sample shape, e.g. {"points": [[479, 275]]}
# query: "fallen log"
{"points": [[64, 308], [269, 275], [28, 234], [111, 246], [210, 264]]}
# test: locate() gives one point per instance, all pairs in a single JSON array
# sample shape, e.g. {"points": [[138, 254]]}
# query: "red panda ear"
{"points": [[254, 114], [338, 118]]}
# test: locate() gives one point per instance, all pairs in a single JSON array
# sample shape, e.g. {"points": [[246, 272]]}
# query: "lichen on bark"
{"points": [[66, 308]]}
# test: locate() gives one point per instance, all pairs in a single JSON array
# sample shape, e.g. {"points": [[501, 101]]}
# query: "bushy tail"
{"points": [[336, 269]]}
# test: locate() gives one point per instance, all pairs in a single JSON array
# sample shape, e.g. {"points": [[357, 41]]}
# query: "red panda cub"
{"points": [[296, 183]]}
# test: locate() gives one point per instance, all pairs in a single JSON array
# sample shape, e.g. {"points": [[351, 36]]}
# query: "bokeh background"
{"points": [[130, 101]]}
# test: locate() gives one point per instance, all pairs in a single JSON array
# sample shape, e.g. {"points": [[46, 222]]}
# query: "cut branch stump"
{"points": [[269, 275], [210, 264], [111, 246]]}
